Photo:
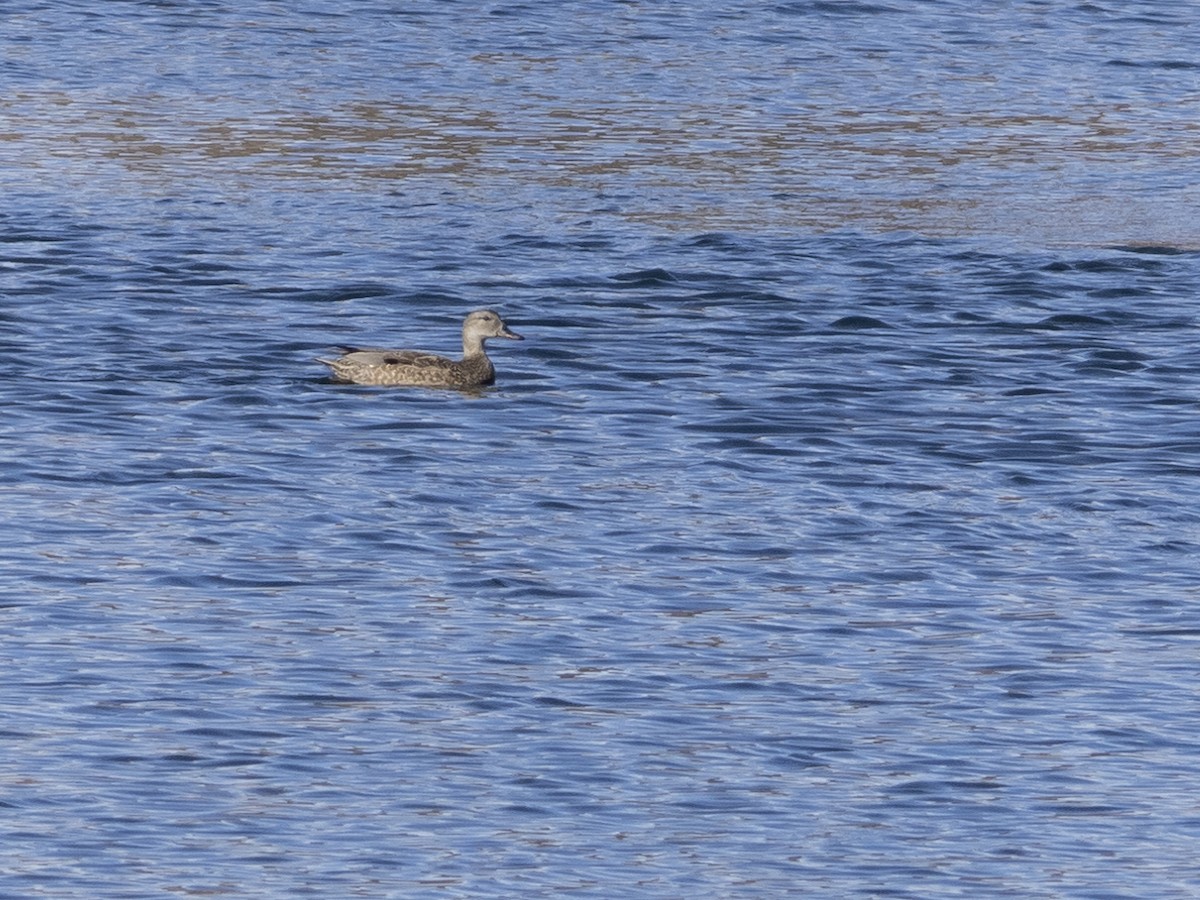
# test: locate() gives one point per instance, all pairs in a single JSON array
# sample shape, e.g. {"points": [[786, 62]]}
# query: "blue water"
{"points": [[832, 533]]}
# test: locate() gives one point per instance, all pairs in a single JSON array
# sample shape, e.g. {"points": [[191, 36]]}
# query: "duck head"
{"points": [[484, 323]]}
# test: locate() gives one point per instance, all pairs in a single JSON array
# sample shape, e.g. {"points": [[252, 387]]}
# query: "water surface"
{"points": [[829, 535]]}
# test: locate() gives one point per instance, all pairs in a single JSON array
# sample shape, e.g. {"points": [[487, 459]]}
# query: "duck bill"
{"points": [[510, 334]]}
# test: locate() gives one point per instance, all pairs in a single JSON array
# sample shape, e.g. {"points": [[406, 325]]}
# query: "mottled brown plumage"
{"points": [[417, 368]]}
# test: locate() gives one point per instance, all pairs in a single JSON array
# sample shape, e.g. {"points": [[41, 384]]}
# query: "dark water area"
{"points": [[830, 534]]}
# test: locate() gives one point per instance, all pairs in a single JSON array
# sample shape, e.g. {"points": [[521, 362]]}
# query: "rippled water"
{"points": [[829, 535]]}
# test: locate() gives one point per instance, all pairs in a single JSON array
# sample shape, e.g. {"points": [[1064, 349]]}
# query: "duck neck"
{"points": [[472, 345]]}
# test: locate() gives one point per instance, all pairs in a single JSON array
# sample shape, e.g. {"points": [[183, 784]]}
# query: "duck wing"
{"points": [[376, 356]]}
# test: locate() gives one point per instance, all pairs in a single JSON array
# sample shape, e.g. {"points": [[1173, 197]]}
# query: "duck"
{"points": [[416, 368]]}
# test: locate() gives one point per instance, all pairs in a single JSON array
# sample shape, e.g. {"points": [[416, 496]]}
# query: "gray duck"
{"points": [[371, 365]]}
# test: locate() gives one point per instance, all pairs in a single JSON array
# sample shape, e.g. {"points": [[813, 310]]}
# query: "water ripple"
{"points": [[798, 550]]}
